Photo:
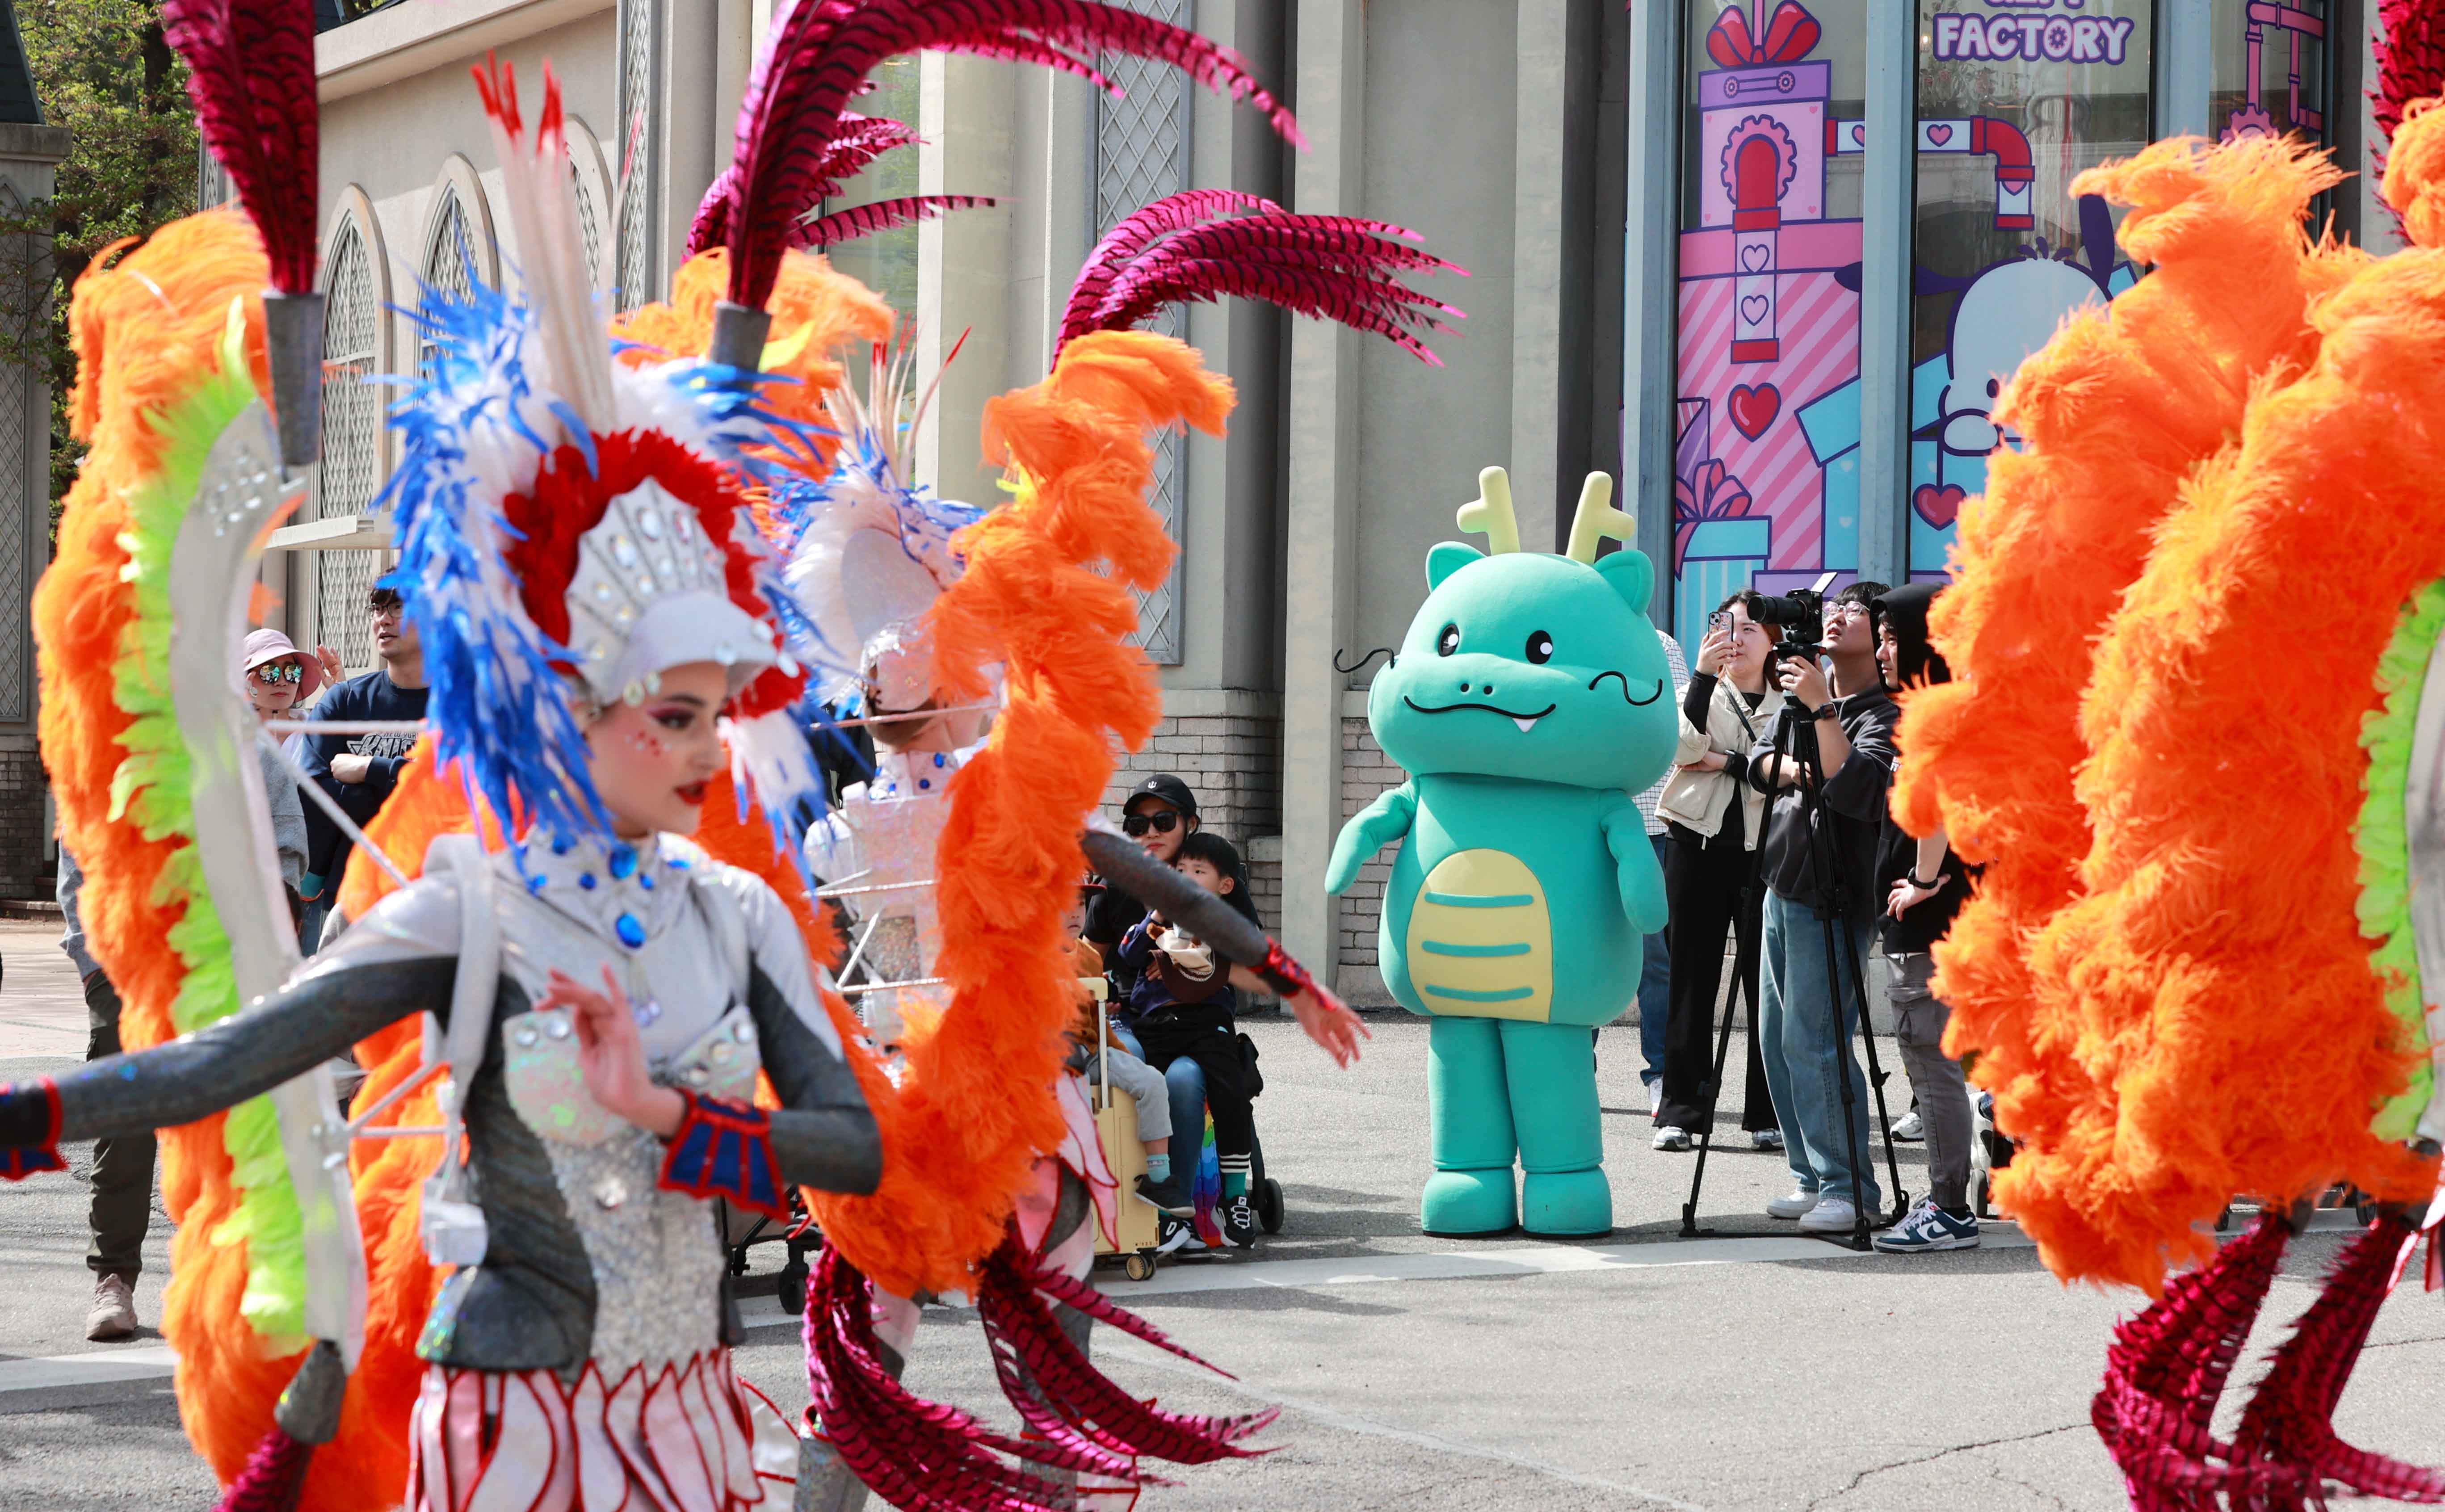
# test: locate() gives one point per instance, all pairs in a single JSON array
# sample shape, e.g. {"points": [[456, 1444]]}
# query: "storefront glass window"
{"points": [[1765, 461], [2271, 69], [2015, 100]]}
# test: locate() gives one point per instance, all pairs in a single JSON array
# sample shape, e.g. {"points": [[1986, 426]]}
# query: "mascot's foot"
{"points": [[1468, 1204], [1566, 1204]]}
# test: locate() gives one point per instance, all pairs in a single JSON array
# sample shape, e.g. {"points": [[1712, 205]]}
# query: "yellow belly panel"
{"points": [[1482, 941]]}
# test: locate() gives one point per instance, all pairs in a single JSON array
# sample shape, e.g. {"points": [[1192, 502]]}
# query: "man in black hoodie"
{"points": [[1921, 885], [1819, 868]]}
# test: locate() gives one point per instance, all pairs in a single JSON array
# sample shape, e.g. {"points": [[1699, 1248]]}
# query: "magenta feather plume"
{"points": [[2410, 56], [882, 215], [250, 74], [862, 140], [818, 58], [1200, 246]]}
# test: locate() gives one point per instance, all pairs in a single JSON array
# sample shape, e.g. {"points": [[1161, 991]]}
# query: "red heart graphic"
{"points": [[1753, 409], [1939, 134], [1938, 506]]}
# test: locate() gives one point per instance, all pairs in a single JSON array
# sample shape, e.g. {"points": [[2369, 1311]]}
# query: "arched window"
{"points": [[459, 251], [593, 199], [351, 469]]}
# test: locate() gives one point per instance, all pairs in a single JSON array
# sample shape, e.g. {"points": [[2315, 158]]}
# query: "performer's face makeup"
{"points": [[651, 760]]}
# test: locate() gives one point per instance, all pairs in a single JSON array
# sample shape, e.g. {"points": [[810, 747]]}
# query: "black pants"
{"points": [[1216, 1050], [123, 1167], [1712, 888]]}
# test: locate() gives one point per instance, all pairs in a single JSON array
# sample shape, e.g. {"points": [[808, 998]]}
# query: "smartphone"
{"points": [[1720, 619]]}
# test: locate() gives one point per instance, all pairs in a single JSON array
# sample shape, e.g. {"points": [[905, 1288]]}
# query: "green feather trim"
{"points": [[2386, 846], [153, 790]]}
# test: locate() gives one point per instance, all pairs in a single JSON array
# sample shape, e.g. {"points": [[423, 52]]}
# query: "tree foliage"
{"points": [[102, 70]]}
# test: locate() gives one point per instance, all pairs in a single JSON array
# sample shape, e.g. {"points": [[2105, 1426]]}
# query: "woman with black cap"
{"points": [[1159, 813], [1923, 885]]}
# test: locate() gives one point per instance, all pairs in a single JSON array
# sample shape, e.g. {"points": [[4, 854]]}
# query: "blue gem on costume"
{"points": [[677, 862], [922, 784], [645, 880], [585, 880], [535, 883], [632, 934], [624, 861], [561, 844], [938, 758]]}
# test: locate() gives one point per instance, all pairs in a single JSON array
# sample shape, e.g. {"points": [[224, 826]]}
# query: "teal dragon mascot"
{"points": [[1529, 700]]}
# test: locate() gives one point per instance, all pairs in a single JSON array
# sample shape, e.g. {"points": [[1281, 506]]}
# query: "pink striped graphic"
{"points": [[1818, 321]]}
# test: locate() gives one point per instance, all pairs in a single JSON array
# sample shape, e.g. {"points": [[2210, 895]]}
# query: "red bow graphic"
{"points": [[1790, 36], [1708, 494]]}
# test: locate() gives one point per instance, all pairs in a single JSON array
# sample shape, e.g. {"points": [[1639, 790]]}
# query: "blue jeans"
{"points": [[1184, 1079], [1654, 991], [1805, 1054]]}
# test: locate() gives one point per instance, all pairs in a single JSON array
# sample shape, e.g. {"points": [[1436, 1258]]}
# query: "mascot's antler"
{"points": [[251, 73], [817, 59], [862, 140], [1198, 245]]}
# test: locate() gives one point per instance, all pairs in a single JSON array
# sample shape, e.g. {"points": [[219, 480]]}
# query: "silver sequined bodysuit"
{"points": [[585, 1246]]}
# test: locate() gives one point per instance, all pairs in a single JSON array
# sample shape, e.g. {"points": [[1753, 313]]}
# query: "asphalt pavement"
{"points": [[1649, 1371]]}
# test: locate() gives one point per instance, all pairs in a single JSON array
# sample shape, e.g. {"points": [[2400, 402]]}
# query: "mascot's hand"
{"points": [[1381, 822]]}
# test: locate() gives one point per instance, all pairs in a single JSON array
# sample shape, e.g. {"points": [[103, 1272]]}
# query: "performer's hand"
{"points": [[1329, 1021], [350, 767], [611, 1057]]}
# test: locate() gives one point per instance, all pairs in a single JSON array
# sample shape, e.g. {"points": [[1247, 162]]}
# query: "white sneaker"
{"points": [[1831, 1215], [1930, 1228], [1675, 1140], [1911, 1128], [1796, 1203]]}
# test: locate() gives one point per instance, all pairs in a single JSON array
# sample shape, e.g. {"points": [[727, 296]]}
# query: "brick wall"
{"points": [[22, 866], [1366, 772]]}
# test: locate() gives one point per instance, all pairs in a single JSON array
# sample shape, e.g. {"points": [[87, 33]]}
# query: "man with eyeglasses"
{"points": [[359, 770], [1159, 814]]}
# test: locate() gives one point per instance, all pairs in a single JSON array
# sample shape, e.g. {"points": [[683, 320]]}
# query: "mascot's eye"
{"points": [[1540, 647], [1448, 640]]}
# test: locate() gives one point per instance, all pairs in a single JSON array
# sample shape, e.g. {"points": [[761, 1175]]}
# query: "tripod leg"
{"points": [[1853, 1146], [1714, 1095], [1876, 1080]]}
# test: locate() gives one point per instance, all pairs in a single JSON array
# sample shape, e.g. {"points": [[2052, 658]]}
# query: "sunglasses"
{"points": [[272, 674], [1134, 825]]}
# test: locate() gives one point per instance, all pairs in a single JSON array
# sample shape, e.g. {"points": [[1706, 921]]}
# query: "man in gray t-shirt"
{"points": [[123, 1169]]}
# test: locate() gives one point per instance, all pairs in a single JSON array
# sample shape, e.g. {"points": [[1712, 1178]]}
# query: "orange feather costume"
{"points": [[2188, 974]]}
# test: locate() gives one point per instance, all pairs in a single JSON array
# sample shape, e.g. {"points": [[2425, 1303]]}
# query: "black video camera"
{"points": [[1800, 616]]}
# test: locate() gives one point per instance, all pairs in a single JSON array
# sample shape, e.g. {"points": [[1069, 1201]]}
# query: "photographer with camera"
{"points": [[1712, 816], [1818, 866]]}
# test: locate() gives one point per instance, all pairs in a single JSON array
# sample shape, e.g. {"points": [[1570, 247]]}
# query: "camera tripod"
{"points": [[1795, 741]]}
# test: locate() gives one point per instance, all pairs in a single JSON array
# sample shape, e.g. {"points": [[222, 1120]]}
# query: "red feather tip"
{"points": [[250, 74], [818, 58]]}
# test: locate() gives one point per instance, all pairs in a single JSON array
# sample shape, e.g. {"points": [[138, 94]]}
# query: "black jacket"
{"points": [[1854, 811], [372, 697]]}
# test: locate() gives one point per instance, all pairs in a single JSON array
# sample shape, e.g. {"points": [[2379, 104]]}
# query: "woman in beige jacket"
{"points": [[1714, 819]]}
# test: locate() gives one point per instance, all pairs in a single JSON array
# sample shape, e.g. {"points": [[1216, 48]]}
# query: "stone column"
{"points": [[28, 155]]}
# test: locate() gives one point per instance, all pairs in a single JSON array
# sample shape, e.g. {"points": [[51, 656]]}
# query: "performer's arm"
{"points": [[274, 1039]]}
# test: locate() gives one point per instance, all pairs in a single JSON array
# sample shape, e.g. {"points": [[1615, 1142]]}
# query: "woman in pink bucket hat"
{"points": [[279, 678]]}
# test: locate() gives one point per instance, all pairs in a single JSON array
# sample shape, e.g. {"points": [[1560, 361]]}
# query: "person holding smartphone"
{"points": [[1713, 817]]}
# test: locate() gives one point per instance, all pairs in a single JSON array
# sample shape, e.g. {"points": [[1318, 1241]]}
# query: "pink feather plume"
{"points": [[862, 140], [819, 59], [1200, 246], [2409, 62], [250, 74]]}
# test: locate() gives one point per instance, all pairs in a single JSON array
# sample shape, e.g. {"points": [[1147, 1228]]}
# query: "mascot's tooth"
{"points": [[1525, 725]]}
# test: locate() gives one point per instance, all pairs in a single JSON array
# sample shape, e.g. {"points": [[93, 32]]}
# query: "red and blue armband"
{"points": [[723, 1150], [29, 1128], [1282, 974]]}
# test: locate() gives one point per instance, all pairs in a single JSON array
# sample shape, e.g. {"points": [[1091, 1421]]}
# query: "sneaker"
{"points": [[114, 1311], [1930, 1228], [1911, 1128], [1676, 1140], [1766, 1139], [1169, 1195], [1239, 1220], [1831, 1215], [1796, 1203]]}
